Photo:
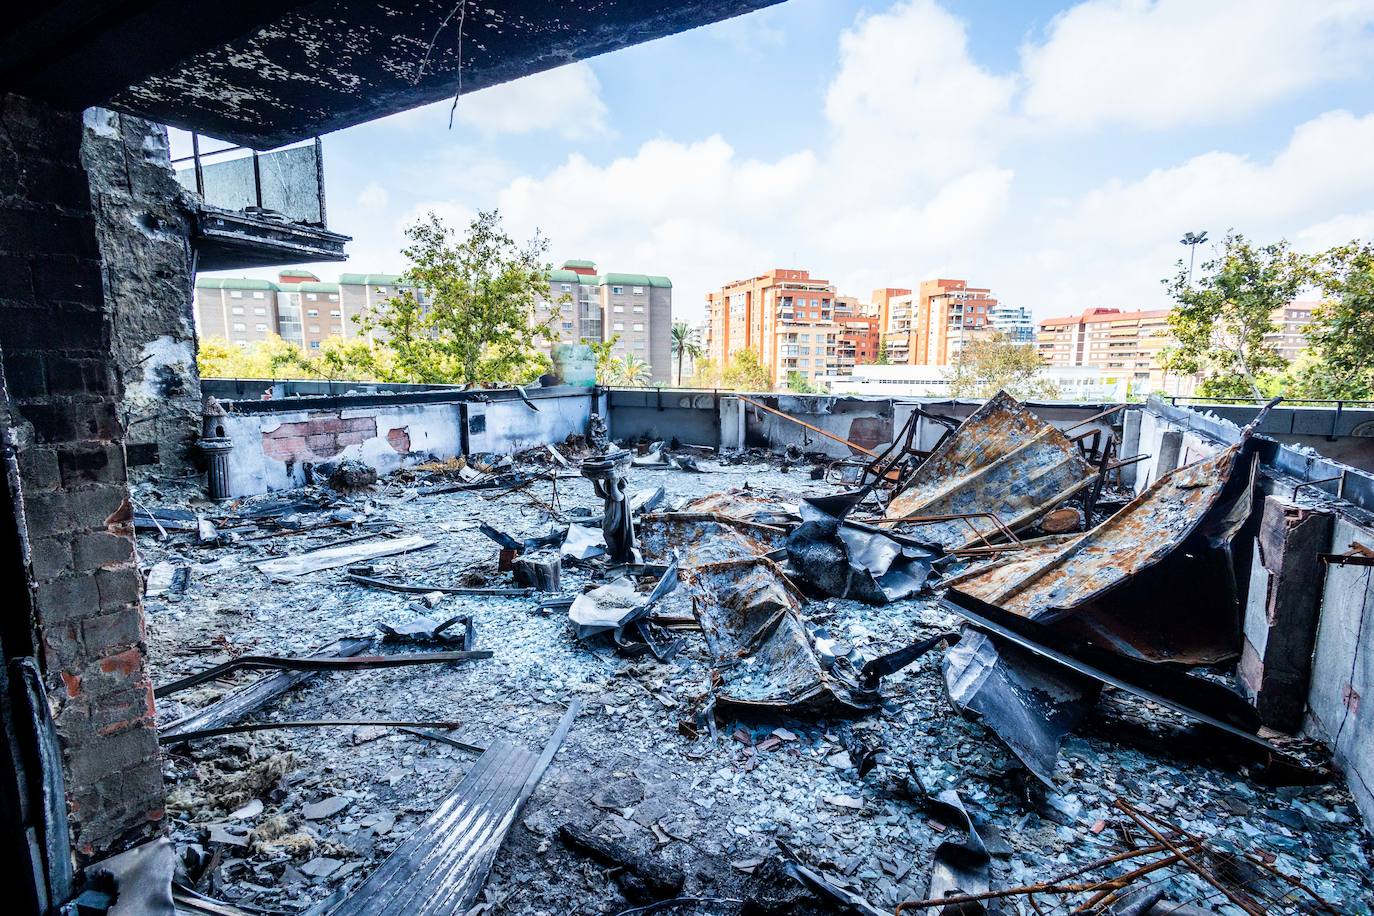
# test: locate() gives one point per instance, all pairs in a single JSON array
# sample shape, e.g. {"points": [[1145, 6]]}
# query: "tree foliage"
{"points": [[1221, 321], [684, 343], [1339, 360], [986, 366], [800, 384], [475, 322], [270, 359]]}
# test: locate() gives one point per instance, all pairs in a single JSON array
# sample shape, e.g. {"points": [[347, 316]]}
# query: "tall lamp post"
{"points": [[1192, 240]]}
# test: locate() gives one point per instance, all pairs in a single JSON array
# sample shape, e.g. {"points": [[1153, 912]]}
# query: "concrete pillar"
{"points": [[1170, 448], [1130, 444], [731, 424], [1281, 614]]}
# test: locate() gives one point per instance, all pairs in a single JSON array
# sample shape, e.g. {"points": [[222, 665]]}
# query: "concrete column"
{"points": [[1170, 448], [1130, 444], [1282, 611], [731, 425]]}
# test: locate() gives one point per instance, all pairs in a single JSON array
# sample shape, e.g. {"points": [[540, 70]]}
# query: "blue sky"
{"points": [[1054, 152]]}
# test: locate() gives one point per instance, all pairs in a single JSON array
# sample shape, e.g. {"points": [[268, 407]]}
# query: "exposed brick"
{"points": [[91, 464], [66, 279], [101, 548], [118, 585], [67, 598], [123, 627], [26, 376], [50, 557], [73, 422], [95, 761], [65, 326], [38, 468], [71, 376]]}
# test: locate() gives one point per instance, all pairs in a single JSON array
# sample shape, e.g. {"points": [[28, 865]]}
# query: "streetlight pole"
{"points": [[1192, 240]]}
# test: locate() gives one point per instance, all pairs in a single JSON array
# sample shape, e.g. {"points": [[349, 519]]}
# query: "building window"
{"points": [[381, 289], [262, 327], [259, 311], [618, 326], [259, 295], [638, 326], [239, 326], [235, 294], [639, 290], [618, 308], [333, 297], [237, 310], [311, 296], [334, 313], [617, 290], [314, 344], [313, 313], [314, 329], [567, 325]]}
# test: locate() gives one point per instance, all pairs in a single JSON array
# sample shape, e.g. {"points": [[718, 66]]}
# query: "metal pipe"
{"points": [[815, 429]]}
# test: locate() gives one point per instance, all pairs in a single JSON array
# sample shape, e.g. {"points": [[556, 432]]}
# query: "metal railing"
{"points": [[288, 181]]}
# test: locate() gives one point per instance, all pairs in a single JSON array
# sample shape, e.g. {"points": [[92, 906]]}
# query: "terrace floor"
{"points": [[715, 808]]}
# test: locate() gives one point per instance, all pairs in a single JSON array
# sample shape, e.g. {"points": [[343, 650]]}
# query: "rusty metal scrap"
{"points": [[745, 504], [765, 661], [1003, 459], [705, 537]]}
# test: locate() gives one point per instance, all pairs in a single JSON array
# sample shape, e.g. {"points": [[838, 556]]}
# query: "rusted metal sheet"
{"points": [[705, 537], [744, 504], [1004, 460], [765, 661], [1047, 580]]}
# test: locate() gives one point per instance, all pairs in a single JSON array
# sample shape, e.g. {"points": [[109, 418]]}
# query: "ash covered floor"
{"points": [[280, 820]]}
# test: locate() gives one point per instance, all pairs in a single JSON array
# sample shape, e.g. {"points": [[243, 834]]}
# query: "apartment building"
{"points": [[785, 315], [930, 327], [1013, 322], [635, 308], [860, 333], [1292, 320], [1108, 338], [881, 300]]}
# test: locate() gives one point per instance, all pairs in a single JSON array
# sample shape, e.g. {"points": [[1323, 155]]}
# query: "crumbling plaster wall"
{"points": [[62, 420], [283, 449], [143, 225]]}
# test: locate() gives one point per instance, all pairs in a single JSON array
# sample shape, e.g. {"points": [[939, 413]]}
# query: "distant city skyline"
{"points": [[1054, 151]]}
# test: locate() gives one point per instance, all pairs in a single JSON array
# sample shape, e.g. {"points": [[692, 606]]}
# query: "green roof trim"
{"points": [[316, 287], [587, 264], [635, 280], [296, 273], [563, 276], [589, 279], [369, 280], [235, 283]]}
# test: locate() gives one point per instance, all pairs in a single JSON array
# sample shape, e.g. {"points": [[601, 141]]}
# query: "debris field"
{"points": [[600, 677]]}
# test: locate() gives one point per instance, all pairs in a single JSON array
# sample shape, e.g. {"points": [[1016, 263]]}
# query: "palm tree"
{"points": [[684, 343], [633, 371]]}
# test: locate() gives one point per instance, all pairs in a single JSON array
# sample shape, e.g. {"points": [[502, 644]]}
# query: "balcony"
{"points": [[258, 209]]}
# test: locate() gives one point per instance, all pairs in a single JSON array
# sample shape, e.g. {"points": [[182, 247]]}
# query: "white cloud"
{"points": [[1162, 63], [565, 100], [908, 102], [1114, 244], [373, 197]]}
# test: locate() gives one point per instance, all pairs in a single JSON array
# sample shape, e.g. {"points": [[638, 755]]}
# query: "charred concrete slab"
{"points": [[1286, 596]]}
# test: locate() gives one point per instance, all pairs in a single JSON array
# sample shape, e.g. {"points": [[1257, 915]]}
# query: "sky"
{"points": [[1054, 152]]}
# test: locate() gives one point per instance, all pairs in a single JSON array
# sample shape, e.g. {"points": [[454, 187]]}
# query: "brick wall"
{"points": [[56, 349]]}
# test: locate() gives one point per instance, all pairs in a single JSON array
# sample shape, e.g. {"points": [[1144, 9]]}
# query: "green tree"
{"points": [[798, 383], [1339, 359], [746, 372], [1221, 321], [271, 358], [631, 371], [684, 343], [986, 366], [607, 366], [475, 323]]}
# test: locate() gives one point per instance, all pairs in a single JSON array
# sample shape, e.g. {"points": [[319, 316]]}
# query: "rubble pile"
{"points": [[599, 676]]}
